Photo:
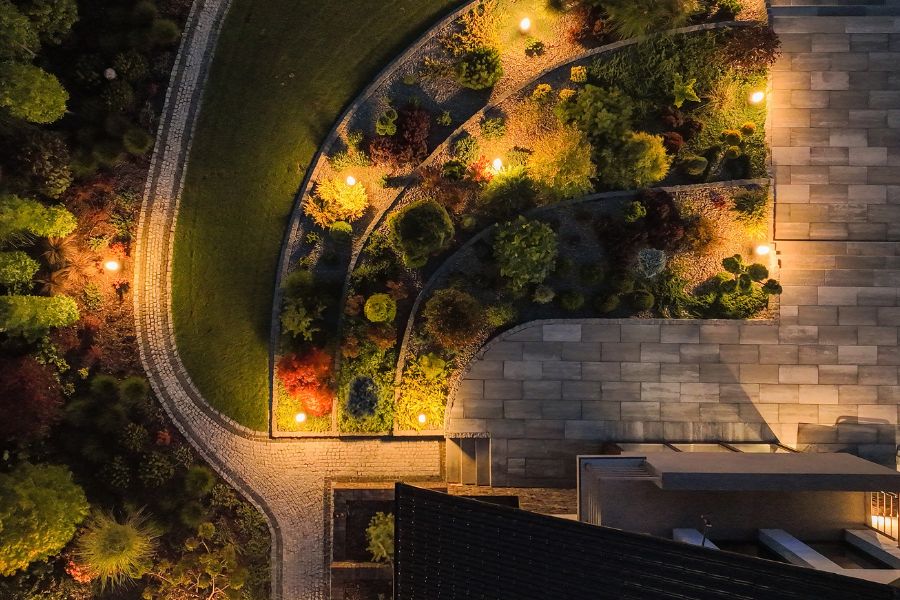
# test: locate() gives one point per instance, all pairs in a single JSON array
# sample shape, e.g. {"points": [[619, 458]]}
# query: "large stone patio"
{"points": [[823, 376]]}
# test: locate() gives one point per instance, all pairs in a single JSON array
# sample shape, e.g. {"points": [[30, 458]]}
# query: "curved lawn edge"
{"points": [[445, 266]]}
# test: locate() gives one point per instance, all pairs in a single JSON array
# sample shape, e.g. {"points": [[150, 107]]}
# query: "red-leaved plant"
{"points": [[305, 378]]}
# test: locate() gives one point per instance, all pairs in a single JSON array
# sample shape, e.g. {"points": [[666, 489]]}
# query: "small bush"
{"points": [[641, 161], [650, 263], [479, 69], [526, 251], [493, 127], [693, 165], [621, 283], [155, 470], [607, 304], [592, 274], [199, 481], [673, 141], [380, 537], [134, 390], [465, 149], [453, 318], [420, 230], [543, 294], [454, 170], [118, 96], [510, 193], [632, 18], [603, 115], [751, 205], [445, 119], [633, 212], [386, 124], [137, 141], [336, 200], [578, 74], [541, 93], [562, 164], [534, 47], [131, 65], [641, 300], [571, 300], [341, 232], [380, 308], [499, 315], [164, 32]]}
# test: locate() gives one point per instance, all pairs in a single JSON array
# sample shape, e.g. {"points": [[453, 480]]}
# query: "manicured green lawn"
{"points": [[282, 73]]}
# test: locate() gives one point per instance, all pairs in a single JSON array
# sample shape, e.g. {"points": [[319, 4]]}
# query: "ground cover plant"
{"points": [[670, 110], [84, 444]]}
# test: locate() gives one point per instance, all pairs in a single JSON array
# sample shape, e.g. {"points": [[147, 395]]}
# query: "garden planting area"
{"points": [[525, 160]]}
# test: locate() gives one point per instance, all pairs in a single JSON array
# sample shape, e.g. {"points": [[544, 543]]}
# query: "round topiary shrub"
{"points": [[641, 300], [199, 481], [137, 141], [105, 387], [380, 308], [543, 294], [693, 166], [621, 283], [641, 161], [192, 514], [525, 251], [452, 317], [454, 170], [509, 193], [164, 32], [479, 69], [134, 389], [363, 397], [155, 470], [571, 300], [131, 65], [341, 232], [118, 96], [607, 304], [420, 230]]}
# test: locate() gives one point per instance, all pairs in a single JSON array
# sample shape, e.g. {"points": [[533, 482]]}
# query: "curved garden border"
{"points": [[294, 232], [456, 377]]}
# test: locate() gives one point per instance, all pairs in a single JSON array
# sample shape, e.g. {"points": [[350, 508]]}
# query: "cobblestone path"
{"points": [[287, 481]]}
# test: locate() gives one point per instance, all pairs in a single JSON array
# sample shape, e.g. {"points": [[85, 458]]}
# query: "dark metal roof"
{"points": [[452, 548]]}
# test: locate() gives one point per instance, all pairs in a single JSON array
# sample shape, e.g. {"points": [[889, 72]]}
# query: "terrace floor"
{"points": [[824, 375]]}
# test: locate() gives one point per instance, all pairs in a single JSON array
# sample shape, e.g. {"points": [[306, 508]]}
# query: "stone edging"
{"points": [[445, 266], [154, 244]]}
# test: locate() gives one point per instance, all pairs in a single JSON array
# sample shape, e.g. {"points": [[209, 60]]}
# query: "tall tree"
{"points": [[51, 18], [28, 92], [18, 38], [19, 215], [40, 507], [30, 317]]}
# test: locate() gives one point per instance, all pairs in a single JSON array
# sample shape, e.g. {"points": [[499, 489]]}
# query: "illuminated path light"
{"points": [[762, 249], [498, 164], [112, 265], [300, 417], [422, 418], [525, 25], [757, 97], [351, 180]]}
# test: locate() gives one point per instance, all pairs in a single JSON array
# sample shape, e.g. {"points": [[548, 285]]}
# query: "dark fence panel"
{"points": [[452, 548]]}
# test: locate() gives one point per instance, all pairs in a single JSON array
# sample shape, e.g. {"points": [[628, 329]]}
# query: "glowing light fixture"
{"points": [[525, 25], [112, 265], [762, 249], [300, 417], [498, 164], [351, 180], [757, 97], [422, 418]]}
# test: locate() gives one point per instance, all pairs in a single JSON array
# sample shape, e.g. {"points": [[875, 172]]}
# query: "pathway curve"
{"points": [[286, 481], [824, 376]]}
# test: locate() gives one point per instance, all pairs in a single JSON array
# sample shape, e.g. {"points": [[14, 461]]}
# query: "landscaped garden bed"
{"points": [[669, 110]]}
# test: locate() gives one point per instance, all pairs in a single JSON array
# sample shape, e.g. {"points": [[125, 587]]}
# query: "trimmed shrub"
{"points": [[380, 537], [571, 300], [131, 65], [155, 470], [543, 294], [603, 115], [16, 271], [641, 161], [509, 193], [42, 162], [419, 231], [386, 124], [493, 127], [607, 304], [30, 317], [336, 200], [562, 164], [199, 481], [479, 69], [134, 390], [118, 96], [452, 318], [380, 308], [525, 251], [341, 232], [137, 141], [499, 315], [465, 149], [693, 165], [641, 300]]}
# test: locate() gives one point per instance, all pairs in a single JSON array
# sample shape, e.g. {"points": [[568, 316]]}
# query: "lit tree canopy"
{"points": [[32, 316], [18, 38], [19, 214], [28, 92], [51, 18], [40, 507], [16, 270]]}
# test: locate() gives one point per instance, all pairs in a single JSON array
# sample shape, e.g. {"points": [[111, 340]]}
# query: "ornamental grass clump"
{"points": [[525, 251], [115, 552], [632, 18]]}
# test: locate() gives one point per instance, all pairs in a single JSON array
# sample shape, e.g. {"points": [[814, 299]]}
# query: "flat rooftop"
{"points": [[737, 471]]}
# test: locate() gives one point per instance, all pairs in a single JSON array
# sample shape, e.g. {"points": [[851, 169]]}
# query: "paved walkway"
{"points": [[825, 376], [286, 481]]}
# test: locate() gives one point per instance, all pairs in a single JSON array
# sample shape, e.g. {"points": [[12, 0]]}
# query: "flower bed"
{"points": [[666, 111]]}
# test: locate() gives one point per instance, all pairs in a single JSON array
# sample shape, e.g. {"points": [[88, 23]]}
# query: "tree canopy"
{"points": [[28, 92], [19, 214], [18, 38], [40, 507], [32, 316]]}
